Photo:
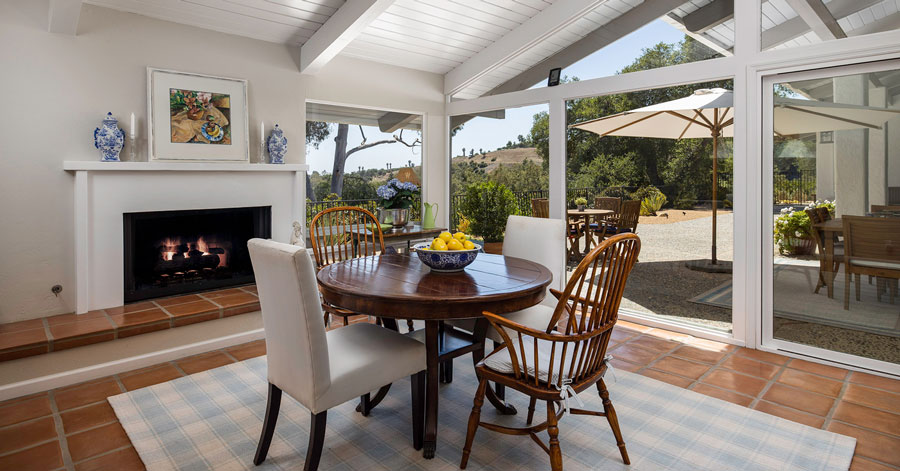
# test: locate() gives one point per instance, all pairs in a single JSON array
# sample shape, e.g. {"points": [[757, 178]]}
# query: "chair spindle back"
{"points": [[540, 208], [340, 233]]}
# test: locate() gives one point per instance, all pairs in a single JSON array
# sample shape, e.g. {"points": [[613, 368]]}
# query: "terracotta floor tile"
{"points": [[196, 318], [83, 418], [233, 311], [148, 316], [64, 344], [629, 352], [710, 345], [862, 464], [790, 414], [867, 417], [819, 369], [681, 367], [250, 289], [722, 394], [149, 376], [621, 335], [625, 365], [870, 444], [751, 367], [669, 335], [206, 361], [222, 293], [72, 317], [238, 299], [879, 382], [872, 397], [699, 354], [6, 355], [80, 327], [191, 308], [177, 300], [129, 308], [21, 411], [632, 326], [27, 434], [22, 325], [248, 350], [80, 395], [653, 343], [743, 384], [39, 458], [142, 329], [806, 401], [667, 377], [122, 460], [22, 338], [811, 382], [95, 441], [762, 356]]}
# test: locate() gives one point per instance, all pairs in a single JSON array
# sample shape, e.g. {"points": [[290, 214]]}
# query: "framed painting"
{"points": [[195, 117]]}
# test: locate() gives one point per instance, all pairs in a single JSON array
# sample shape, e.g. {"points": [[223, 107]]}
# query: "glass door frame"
{"points": [[767, 341]]}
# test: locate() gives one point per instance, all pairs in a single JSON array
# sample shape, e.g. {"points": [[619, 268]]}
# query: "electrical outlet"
{"points": [[56, 289]]}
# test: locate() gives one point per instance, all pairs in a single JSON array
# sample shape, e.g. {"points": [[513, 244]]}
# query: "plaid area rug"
{"points": [[212, 420]]}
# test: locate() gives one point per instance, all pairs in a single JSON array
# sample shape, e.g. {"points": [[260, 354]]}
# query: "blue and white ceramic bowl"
{"points": [[445, 261]]}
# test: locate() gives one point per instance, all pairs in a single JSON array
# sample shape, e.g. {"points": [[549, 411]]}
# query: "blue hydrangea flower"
{"points": [[386, 192], [407, 186]]}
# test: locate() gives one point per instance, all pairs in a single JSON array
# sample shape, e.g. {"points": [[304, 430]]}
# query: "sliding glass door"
{"points": [[832, 225]]}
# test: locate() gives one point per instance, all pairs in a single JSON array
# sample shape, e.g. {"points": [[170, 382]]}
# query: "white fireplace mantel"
{"points": [[104, 191]]}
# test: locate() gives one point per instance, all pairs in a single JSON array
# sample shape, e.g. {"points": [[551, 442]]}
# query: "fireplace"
{"points": [[176, 252]]}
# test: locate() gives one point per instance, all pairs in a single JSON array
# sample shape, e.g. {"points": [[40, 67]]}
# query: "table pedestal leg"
{"points": [[431, 388]]}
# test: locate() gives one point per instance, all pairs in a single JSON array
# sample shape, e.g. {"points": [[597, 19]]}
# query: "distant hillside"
{"points": [[503, 156]]}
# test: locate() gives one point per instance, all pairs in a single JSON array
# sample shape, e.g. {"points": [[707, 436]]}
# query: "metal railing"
{"points": [[314, 207], [797, 188]]}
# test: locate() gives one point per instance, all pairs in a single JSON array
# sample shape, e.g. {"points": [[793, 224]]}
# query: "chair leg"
{"points": [[365, 404], [613, 419], [531, 404], [847, 280], [316, 440], [474, 418], [858, 282], [273, 404], [446, 371], [417, 383], [553, 431], [346, 320], [409, 325], [327, 319]]}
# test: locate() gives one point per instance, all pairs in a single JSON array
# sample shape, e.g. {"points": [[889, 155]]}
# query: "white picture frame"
{"points": [[204, 102]]}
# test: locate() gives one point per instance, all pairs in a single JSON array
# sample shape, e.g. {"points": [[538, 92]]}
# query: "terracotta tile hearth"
{"points": [[55, 333]]}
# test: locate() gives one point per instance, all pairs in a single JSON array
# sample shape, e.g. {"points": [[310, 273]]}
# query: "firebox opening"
{"points": [[175, 252]]}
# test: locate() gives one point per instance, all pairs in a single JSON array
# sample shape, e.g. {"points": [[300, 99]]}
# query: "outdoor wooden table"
{"points": [[399, 286], [831, 229], [585, 215], [408, 234]]}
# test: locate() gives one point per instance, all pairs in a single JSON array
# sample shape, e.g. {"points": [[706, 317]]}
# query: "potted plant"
{"points": [[581, 202], [485, 208], [793, 229], [396, 199]]}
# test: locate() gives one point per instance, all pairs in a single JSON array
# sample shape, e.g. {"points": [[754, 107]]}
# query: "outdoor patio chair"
{"points": [[541, 362], [322, 369], [815, 217], [877, 208], [343, 233], [871, 247], [626, 221], [540, 207]]}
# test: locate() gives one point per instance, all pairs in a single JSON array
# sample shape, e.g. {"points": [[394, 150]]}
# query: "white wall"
{"points": [[56, 88]]}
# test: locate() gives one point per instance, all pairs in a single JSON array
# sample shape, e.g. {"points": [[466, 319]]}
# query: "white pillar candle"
{"points": [[132, 126], [262, 139]]}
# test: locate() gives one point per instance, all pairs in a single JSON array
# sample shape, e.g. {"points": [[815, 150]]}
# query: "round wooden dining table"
{"points": [[399, 286]]}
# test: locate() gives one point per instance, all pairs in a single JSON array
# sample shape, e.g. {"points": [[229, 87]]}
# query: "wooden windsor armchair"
{"points": [[544, 363], [343, 233]]}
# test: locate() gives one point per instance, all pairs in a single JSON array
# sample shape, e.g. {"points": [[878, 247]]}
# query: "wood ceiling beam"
{"points": [[819, 18], [390, 122], [623, 25], [62, 16], [536, 29], [344, 26], [709, 15]]}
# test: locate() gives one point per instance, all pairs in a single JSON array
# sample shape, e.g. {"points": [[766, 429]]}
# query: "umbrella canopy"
{"points": [[709, 113]]}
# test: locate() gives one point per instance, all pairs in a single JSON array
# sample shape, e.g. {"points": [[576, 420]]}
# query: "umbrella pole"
{"points": [[715, 185]]}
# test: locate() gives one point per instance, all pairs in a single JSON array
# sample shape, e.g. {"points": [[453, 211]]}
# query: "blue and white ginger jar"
{"points": [[277, 146], [109, 139]]}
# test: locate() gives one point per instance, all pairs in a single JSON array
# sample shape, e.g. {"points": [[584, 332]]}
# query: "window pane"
{"points": [[783, 26], [836, 182], [661, 188]]}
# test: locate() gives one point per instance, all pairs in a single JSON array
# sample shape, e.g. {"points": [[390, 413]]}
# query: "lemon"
{"points": [[468, 245], [445, 236], [454, 244], [459, 236], [438, 244], [441, 247]]}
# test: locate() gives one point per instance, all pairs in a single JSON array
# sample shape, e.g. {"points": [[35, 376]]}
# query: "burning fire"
{"points": [[171, 249]]}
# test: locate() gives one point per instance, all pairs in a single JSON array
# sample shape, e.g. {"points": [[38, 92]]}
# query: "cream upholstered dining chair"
{"points": [[322, 370]]}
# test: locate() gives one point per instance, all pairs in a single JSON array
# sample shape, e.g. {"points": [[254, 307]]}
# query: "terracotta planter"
{"points": [[801, 246], [494, 247]]}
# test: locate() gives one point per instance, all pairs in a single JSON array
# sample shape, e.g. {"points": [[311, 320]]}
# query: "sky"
{"points": [[488, 133]]}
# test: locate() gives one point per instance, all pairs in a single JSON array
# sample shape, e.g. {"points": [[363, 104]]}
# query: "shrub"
{"points": [[684, 203], [653, 203], [792, 226], [486, 207], [644, 192]]}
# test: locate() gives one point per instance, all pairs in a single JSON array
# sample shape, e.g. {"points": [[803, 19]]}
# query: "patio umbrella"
{"points": [[709, 113]]}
